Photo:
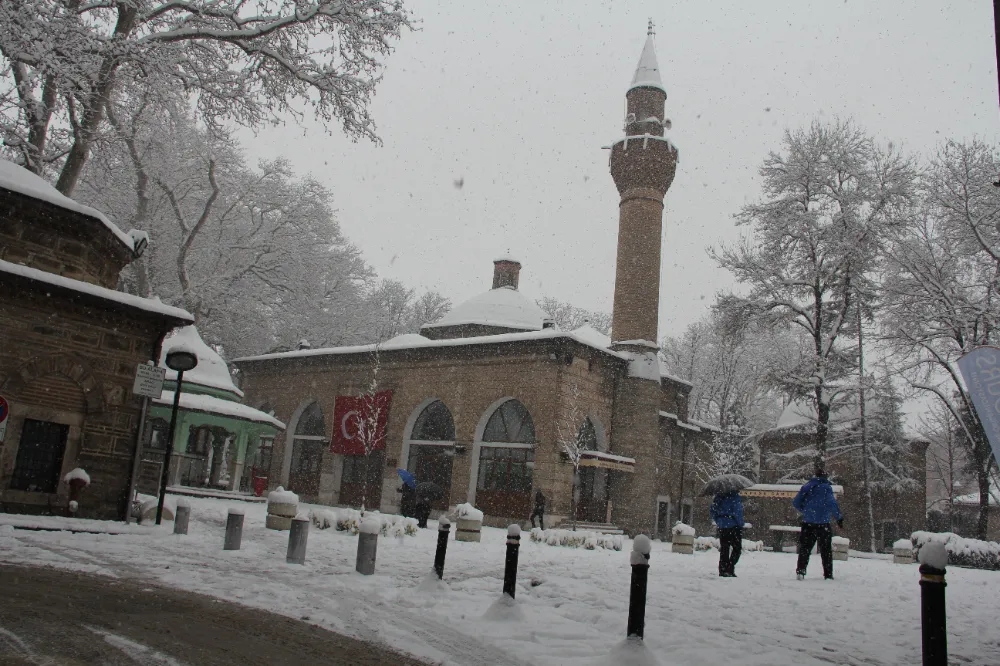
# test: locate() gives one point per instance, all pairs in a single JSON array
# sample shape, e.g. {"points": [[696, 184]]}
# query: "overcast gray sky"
{"points": [[517, 99]]}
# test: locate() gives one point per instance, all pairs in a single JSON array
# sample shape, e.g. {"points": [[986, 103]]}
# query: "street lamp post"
{"points": [[180, 362]]}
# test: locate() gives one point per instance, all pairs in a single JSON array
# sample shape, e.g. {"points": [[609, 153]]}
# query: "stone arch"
{"points": [[289, 437], [411, 421], [477, 441], [600, 431], [68, 365]]}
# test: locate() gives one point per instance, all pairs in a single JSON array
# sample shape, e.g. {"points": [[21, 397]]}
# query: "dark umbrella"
{"points": [[407, 478], [429, 490], [727, 483]]}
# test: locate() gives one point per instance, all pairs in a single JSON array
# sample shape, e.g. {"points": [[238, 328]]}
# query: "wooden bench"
{"points": [[778, 533]]}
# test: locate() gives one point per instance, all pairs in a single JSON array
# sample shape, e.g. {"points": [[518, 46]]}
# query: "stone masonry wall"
{"points": [[74, 364]]}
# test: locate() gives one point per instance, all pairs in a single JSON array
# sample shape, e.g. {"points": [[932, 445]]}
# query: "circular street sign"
{"points": [[4, 409]]}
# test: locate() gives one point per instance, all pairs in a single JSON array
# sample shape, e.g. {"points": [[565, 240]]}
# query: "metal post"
{"points": [[639, 559], [444, 529], [367, 552], [182, 514], [170, 449], [234, 530], [933, 558], [136, 461], [297, 538], [510, 565]]}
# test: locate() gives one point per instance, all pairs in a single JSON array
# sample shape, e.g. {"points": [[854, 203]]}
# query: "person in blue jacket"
{"points": [[816, 502], [727, 512]]}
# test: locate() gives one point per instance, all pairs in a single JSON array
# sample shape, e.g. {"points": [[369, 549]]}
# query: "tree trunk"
{"points": [[572, 498], [865, 452], [983, 521]]}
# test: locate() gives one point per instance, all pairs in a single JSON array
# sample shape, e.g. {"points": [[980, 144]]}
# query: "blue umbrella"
{"points": [[407, 478]]}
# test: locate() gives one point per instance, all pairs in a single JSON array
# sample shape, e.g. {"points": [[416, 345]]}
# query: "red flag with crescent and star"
{"points": [[351, 415]]}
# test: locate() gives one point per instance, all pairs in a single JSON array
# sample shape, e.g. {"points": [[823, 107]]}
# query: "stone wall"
{"points": [[52, 239], [70, 363], [471, 380]]}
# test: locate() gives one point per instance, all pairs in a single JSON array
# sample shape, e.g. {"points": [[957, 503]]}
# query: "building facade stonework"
{"points": [[69, 346], [484, 401]]}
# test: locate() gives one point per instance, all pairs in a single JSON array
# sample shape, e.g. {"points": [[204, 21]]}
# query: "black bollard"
{"points": [[639, 559], [510, 566], [933, 623], [444, 529]]}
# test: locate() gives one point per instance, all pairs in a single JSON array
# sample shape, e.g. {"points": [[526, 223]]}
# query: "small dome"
{"points": [[503, 307], [211, 370], [405, 340]]}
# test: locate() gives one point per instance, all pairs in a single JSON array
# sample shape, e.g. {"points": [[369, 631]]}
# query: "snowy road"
{"points": [[870, 615], [54, 617]]}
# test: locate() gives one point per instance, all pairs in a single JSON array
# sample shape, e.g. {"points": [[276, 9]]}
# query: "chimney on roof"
{"points": [[506, 272]]}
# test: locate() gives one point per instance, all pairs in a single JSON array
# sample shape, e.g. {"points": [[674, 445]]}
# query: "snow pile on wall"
{"points": [[961, 551], [645, 366], [281, 496], [571, 539], [710, 543], [349, 520], [77, 473], [468, 512], [680, 529], [902, 544]]}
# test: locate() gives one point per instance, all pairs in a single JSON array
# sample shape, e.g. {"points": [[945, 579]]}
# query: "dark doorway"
{"points": [[39, 456], [353, 484], [307, 458], [433, 463], [592, 502], [662, 519]]}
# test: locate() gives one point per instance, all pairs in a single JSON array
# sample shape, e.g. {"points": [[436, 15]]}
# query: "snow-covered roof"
{"points": [[973, 498], [507, 257], [18, 179], [647, 73], [209, 404], [405, 340], [420, 342], [705, 426], [121, 298], [592, 336], [665, 372], [504, 307], [211, 370], [803, 412]]}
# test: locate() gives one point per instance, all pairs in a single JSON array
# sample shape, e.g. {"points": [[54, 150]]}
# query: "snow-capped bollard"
{"points": [[282, 506], [367, 545], [444, 529], [510, 564], [933, 623], [470, 523], [297, 537], [182, 515], [902, 552], [234, 530], [639, 560], [841, 548]]}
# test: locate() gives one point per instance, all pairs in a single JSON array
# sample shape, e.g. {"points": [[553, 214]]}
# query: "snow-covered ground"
{"points": [[573, 602]]}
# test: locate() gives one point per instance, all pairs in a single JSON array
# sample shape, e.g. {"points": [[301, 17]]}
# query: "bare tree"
{"points": [[947, 461], [568, 317], [371, 434], [941, 290], [251, 63], [569, 436], [830, 196]]}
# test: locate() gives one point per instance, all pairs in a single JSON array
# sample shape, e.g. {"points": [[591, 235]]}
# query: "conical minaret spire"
{"points": [[647, 73]]}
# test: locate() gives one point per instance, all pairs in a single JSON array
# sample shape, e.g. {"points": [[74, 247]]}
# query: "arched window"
{"points": [[434, 424], [587, 437], [308, 443], [510, 423], [311, 423], [506, 461]]}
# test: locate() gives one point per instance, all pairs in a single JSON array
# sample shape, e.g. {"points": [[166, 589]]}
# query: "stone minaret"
{"points": [[643, 165]]}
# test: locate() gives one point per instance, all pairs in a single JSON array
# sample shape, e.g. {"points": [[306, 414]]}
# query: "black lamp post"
{"points": [[180, 362]]}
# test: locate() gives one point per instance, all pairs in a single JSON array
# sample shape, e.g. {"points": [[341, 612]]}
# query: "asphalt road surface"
{"points": [[54, 618]]}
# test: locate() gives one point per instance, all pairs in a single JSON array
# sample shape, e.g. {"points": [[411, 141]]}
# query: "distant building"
{"points": [[69, 347], [481, 402]]}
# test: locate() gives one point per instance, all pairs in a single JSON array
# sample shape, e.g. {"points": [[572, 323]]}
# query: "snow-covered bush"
{"points": [[349, 520], [961, 551], [709, 543], [571, 539]]}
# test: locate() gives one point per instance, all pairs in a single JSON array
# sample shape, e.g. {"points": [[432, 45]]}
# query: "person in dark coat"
{"points": [[407, 501], [539, 509], [422, 511], [727, 512], [816, 502]]}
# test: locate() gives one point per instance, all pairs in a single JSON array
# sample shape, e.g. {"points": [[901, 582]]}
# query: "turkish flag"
{"points": [[356, 415]]}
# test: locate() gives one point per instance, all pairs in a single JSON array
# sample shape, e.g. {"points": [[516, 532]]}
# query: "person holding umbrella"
{"points": [[817, 503], [727, 513], [408, 494]]}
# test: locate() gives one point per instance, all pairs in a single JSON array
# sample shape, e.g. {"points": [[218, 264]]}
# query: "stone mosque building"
{"points": [[482, 401]]}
